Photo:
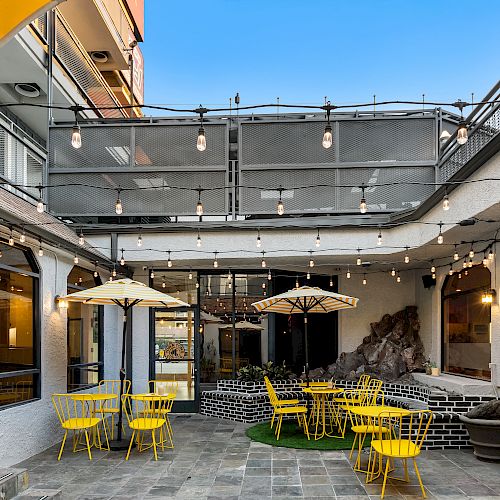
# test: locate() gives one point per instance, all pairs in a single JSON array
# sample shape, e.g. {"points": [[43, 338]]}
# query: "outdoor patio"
{"points": [[214, 459]]}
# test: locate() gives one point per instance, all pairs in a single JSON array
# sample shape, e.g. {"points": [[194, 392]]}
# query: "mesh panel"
{"points": [[175, 145], [385, 198], [34, 173], [40, 24], [84, 71], [284, 142], [387, 140], [264, 201], [78, 200], [102, 147]]}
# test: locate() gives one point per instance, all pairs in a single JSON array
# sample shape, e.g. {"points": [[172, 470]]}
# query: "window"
{"points": [[467, 323], [85, 335], [19, 359]]}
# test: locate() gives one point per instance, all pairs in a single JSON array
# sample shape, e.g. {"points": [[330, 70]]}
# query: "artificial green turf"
{"points": [[293, 437]]}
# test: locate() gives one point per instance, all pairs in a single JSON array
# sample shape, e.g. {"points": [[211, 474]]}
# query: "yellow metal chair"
{"points": [[111, 407], [361, 425], [403, 440], [75, 415], [285, 407], [146, 414], [275, 401]]}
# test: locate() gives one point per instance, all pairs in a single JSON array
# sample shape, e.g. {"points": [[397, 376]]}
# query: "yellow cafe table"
{"points": [[321, 402]]}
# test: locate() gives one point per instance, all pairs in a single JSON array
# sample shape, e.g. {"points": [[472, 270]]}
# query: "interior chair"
{"points": [[146, 415], [163, 387], [285, 407], [110, 407], [402, 440], [75, 415]]}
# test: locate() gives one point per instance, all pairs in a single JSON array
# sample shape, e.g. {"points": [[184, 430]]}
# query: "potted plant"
{"points": [[483, 425], [427, 366], [434, 369]]}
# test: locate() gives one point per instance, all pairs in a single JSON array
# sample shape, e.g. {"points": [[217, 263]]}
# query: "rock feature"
{"points": [[392, 349]]}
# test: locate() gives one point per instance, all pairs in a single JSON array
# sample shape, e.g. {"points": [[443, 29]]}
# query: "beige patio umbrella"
{"points": [[125, 293], [242, 325], [306, 299]]}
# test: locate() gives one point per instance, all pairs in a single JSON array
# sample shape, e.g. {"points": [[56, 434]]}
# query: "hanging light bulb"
{"points": [[76, 136], [280, 208], [118, 204], [169, 261], [198, 240], [455, 255], [81, 238], [201, 143], [22, 238], [95, 270], [363, 207], [122, 260], [163, 284], [364, 279], [471, 251], [491, 255], [264, 285], [114, 271], [348, 274], [433, 276], [450, 272], [216, 262], [11, 238], [464, 264], [110, 278], [462, 135], [446, 202], [469, 264], [440, 238], [190, 275], [297, 282], [258, 241], [199, 205], [308, 275], [459, 276], [75, 259], [318, 240], [331, 281], [327, 136], [39, 205], [433, 268], [466, 272], [311, 261], [152, 274], [393, 272], [407, 257], [40, 249], [269, 276], [197, 285], [263, 261], [485, 260], [379, 237], [398, 278], [139, 240], [358, 260]]}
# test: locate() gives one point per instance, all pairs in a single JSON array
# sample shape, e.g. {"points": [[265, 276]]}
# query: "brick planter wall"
{"points": [[248, 402]]}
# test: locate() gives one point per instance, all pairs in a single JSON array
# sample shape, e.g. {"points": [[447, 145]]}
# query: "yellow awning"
{"points": [[16, 14]]}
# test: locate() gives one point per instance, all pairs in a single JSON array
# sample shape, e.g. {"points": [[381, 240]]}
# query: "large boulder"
{"points": [[486, 411]]}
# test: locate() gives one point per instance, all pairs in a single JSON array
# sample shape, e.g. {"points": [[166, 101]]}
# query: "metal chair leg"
{"points": [[62, 445]]}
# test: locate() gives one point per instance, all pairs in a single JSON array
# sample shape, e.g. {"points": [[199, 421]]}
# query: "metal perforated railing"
{"points": [[40, 25], [19, 164], [487, 128], [154, 160], [83, 71]]}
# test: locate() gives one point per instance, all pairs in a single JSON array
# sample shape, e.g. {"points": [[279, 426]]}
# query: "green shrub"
{"points": [[253, 373]]}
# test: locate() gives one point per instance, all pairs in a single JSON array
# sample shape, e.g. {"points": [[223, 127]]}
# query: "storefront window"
{"points": [[85, 339], [467, 323], [19, 369]]}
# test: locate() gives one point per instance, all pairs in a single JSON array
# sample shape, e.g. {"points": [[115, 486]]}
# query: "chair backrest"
{"points": [[67, 407], [164, 387], [150, 407], [375, 389], [271, 392], [363, 381], [113, 387], [406, 432], [356, 398]]}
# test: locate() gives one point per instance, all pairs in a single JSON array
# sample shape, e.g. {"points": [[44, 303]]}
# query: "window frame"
{"points": [[35, 371], [100, 344]]}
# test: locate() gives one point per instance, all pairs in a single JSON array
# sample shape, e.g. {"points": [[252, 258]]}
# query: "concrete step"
{"points": [[36, 494], [12, 482]]}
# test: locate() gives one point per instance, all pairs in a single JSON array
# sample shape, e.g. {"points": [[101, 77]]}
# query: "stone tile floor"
{"points": [[213, 459]]}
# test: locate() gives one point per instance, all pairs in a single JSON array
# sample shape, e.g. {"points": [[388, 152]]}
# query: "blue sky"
{"points": [[203, 52]]}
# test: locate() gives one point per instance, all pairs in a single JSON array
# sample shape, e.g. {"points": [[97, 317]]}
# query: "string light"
{"points": [[152, 274], [348, 274], [113, 274], [311, 261], [190, 276], [393, 272], [139, 240], [469, 264], [258, 241], [398, 278], [331, 281], [440, 238], [466, 272], [455, 255], [197, 285], [459, 276], [464, 264], [358, 259], [201, 143], [364, 279], [198, 240], [280, 208], [40, 249], [76, 133], [118, 204], [216, 262], [81, 239], [11, 238], [450, 272], [462, 134], [264, 285], [263, 261], [327, 136], [199, 205], [122, 259], [22, 238], [407, 257], [308, 275], [433, 267], [40, 205], [446, 201], [163, 284], [379, 237], [318, 240], [269, 276], [471, 251], [433, 276], [75, 259], [363, 207], [169, 261], [95, 270], [485, 260], [491, 255], [296, 282]]}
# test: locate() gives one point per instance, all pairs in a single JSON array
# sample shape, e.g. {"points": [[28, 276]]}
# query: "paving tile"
{"points": [[287, 491]]}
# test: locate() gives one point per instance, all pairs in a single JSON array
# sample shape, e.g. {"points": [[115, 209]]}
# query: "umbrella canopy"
{"points": [[209, 318], [125, 293], [242, 325], [306, 299]]}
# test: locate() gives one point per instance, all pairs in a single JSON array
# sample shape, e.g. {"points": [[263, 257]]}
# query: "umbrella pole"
{"points": [[306, 342], [119, 443]]}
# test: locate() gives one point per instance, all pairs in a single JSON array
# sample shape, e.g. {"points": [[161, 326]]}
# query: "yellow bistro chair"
{"points": [[111, 407], [146, 414], [275, 401], [403, 440], [75, 415]]}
